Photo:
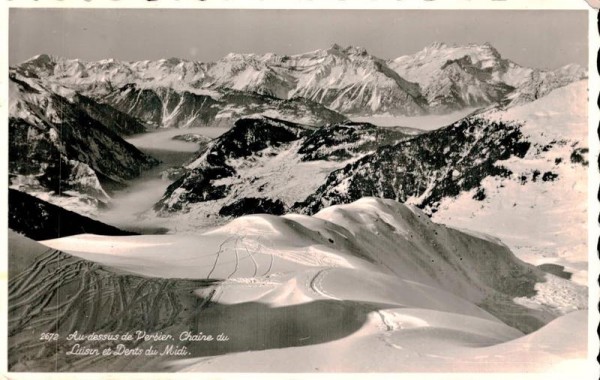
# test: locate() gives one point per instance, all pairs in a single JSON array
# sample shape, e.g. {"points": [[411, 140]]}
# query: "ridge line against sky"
{"points": [[541, 39]]}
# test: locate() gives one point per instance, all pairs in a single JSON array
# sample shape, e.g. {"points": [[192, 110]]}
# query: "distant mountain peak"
{"points": [[492, 49], [438, 45], [335, 46], [233, 56], [42, 58], [173, 61], [42, 61], [348, 50]]}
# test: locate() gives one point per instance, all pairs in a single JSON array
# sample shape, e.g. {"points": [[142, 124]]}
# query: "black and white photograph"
{"points": [[223, 190]]}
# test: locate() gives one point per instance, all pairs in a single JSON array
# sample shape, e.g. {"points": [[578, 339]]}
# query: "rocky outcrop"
{"points": [[248, 206]]}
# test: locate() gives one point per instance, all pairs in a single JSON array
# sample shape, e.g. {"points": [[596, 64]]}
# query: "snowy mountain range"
{"points": [[440, 78]]}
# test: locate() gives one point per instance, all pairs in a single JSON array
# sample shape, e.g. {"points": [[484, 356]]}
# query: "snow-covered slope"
{"points": [[375, 276], [540, 210], [51, 291], [534, 353], [541, 83], [420, 66], [352, 81], [105, 75]]}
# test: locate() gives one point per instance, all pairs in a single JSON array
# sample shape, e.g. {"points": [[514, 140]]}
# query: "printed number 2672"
{"points": [[48, 336]]}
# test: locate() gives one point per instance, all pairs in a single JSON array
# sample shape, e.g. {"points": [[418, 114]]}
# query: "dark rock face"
{"points": [[119, 122], [124, 99], [429, 166], [197, 187], [28, 156], [252, 135], [247, 206], [549, 176], [40, 220], [578, 156], [557, 270], [343, 141], [33, 150]]}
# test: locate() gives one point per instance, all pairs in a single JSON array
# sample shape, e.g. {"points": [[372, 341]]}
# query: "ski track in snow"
{"points": [[316, 284], [218, 255]]}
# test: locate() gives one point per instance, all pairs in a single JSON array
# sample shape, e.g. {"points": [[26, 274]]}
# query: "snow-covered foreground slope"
{"points": [[369, 286], [540, 210], [557, 348], [53, 292]]}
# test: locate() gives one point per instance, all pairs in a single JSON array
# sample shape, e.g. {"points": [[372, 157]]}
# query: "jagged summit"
{"points": [[41, 64], [41, 58], [335, 46], [443, 45], [348, 50], [438, 45]]}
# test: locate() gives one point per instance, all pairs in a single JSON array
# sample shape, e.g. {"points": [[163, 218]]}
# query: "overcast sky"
{"points": [[544, 39]]}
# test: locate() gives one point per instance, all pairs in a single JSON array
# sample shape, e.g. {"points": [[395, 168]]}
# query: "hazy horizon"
{"points": [[543, 39]]}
